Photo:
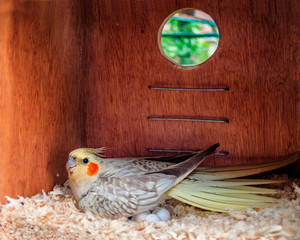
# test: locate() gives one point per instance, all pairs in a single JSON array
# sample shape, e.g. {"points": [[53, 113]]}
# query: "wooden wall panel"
{"points": [[255, 58], [41, 96]]}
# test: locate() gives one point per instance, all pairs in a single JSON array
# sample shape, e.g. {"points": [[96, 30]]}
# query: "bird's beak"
{"points": [[71, 164]]}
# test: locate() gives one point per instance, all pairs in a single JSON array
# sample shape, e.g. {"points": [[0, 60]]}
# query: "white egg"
{"points": [[163, 214], [141, 216], [152, 218]]}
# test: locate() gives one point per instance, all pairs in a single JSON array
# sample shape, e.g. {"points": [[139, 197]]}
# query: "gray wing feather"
{"points": [[125, 196]]}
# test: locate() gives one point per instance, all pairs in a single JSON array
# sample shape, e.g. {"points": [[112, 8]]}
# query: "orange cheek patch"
{"points": [[92, 169]]}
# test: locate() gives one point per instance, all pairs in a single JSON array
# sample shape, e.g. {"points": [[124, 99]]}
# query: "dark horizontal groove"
{"points": [[188, 89], [190, 35], [182, 151], [188, 119]]}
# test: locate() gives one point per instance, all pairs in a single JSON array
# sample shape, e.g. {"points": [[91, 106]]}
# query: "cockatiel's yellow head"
{"points": [[84, 164]]}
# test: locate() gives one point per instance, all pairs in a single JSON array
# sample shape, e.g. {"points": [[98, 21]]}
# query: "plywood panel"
{"points": [[255, 59], [41, 96]]}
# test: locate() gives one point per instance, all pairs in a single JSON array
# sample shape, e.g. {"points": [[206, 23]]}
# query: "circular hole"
{"points": [[188, 37]]}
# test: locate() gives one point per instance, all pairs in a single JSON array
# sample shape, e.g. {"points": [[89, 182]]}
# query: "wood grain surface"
{"points": [[42, 102], [76, 73]]}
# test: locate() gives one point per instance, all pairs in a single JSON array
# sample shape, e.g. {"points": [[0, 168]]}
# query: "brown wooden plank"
{"points": [[41, 94], [255, 59]]}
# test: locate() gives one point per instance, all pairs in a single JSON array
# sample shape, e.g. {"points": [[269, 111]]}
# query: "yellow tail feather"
{"points": [[217, 189]]}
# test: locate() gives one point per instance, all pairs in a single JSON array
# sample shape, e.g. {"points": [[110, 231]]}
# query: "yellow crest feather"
{"points": [[86, 152]]}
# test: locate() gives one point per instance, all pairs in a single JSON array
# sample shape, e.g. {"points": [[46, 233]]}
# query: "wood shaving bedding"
{"points": [[55, 216]]}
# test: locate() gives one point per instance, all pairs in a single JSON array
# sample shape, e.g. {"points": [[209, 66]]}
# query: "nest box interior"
{"points": [[77, 74]]}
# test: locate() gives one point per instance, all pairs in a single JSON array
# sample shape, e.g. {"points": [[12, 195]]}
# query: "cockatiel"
{"points": [[123, 187]]}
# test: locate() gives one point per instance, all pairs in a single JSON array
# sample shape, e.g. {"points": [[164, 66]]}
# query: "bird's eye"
{"points": [[85, 160]]}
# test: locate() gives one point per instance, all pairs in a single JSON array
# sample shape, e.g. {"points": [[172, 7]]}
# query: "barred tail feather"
{"points": [[227, 172], [217, 189]]}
